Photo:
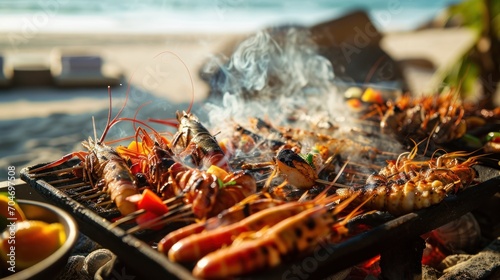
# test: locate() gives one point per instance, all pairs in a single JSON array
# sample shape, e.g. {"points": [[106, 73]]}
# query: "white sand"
{"points": [[440, 47]]}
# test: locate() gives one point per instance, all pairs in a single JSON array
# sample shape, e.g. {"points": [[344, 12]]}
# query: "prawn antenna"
{"points": [[95, 132]]}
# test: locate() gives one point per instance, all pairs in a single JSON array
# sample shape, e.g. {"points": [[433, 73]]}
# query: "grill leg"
{"points": [[403, 259]]}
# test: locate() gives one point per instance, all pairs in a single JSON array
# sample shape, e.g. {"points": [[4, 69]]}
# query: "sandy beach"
{"points": [[133, 55], [41, 124], [176, 60]]}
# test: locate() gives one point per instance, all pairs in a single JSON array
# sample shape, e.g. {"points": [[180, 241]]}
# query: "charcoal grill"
{"points": [[396, 240]]}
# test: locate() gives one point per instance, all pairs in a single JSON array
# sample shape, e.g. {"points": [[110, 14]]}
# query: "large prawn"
{"points": [[198, 245], [209, 192], [103, 168], [195, 246], [194, 144], [274, 244], [406, 185], [440, 117], [291, 169], [249, 206], [150, 158]]}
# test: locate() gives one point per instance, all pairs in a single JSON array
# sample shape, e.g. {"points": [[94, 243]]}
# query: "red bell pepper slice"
{"points": [[152, 203], [154, 207]]}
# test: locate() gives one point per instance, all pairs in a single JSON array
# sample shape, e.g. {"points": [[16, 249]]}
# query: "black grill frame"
{"points": [[397, 240]]}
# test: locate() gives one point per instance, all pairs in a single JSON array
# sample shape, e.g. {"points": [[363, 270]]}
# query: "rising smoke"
{"points": [[275, 73], [275, 62]]}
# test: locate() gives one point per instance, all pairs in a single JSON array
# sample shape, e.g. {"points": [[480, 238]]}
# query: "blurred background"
{"points": [[58, 57]]}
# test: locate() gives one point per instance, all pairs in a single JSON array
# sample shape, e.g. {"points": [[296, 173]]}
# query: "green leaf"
{"points": [[463, 75], [472, 141], [222, 184], [309, 157], [470, 13]]}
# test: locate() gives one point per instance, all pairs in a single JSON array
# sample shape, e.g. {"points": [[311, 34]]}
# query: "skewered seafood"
{"points": [[236, 213], [208, 193], [296, 173], [200, 188], [103, 168], [406, 185], [443, 117], [195, 246], [299, 140], [195, 144], [272, 245], [149, 159]]}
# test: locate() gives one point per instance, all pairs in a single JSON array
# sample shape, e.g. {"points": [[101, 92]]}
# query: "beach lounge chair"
{"points": [[29, 69], [81, 69]]}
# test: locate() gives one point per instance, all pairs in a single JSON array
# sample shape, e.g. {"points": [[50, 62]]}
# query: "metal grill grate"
{"points": [[397, 240]]}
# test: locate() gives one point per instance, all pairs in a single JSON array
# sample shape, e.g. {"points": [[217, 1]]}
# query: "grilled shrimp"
{"points": [[293, 171], [196, 246], [198, 188], [272, 245], [236, 213], [440, 117], [290, 138], [207, 193], [113, 175], [416, 185], [150, 159], [104, 168], [194, 141]]}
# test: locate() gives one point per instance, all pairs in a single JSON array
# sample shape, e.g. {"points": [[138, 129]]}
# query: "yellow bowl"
{"points": [[52, 265]]}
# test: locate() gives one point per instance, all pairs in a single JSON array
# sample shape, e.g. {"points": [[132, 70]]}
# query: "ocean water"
{"points": [[153, 16]]}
